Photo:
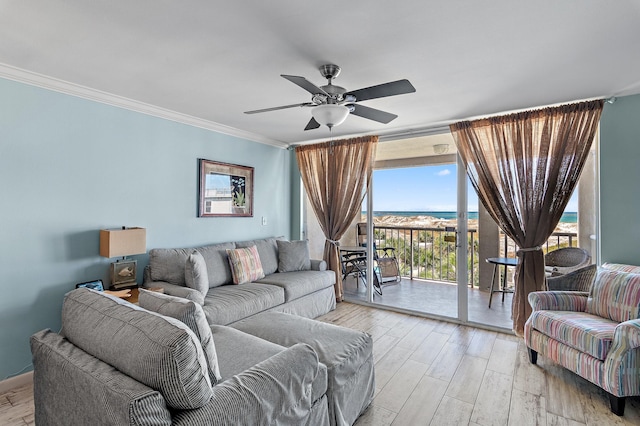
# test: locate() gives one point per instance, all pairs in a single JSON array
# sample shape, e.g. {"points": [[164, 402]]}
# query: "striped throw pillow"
{"points": [[245, 265], [615, 295]]}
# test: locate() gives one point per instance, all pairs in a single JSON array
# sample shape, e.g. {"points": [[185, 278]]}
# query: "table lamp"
{"points": [[123, 242]]}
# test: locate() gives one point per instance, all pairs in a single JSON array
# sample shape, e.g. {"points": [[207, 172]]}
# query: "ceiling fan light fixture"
{"points": [[330, 115]]}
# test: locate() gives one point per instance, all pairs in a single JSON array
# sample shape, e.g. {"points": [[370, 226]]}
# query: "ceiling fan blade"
{"points": [[305, 84], [372, 113], [312, 124], [392, 88], [279, 107]]}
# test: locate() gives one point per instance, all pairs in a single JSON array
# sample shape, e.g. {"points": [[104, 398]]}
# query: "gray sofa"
{"points": [[203, 274], [118, 364]]}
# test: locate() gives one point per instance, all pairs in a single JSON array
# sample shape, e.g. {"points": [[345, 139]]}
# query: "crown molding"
{"points": [[50, 83]]}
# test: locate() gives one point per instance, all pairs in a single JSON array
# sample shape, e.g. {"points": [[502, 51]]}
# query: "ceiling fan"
{"points": [[332, 104]]}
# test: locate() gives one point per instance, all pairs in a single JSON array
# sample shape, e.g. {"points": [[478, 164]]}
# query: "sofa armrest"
{"points": [[318, 265], [558, 300], [71, 387], [275, 391], [177, 290]]}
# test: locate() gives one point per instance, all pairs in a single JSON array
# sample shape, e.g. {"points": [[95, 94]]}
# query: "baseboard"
{"points": [[16, 382]]}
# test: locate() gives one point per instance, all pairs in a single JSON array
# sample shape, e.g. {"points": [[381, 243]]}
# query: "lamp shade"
{"points": [[123, 242], [330, 114]]}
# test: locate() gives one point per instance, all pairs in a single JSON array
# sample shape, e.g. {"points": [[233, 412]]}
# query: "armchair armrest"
{"points": [[623, 360], [177, 290], [318, 265], [558, 300], [627, 335], [275, 391]]}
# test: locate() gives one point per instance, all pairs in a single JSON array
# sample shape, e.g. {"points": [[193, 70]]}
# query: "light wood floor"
{"points": [[436, 373], [16, 407]]}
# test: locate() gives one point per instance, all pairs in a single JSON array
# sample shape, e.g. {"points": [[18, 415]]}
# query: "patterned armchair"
{"points": [[596, 334]]}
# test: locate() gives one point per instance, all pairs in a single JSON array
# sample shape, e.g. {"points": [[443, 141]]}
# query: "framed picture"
{"points": [[123, 274], [94, 285], [225, 189]]}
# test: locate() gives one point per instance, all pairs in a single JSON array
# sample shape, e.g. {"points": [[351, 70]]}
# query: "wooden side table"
{"points": [[135, 292], [131, 295]]}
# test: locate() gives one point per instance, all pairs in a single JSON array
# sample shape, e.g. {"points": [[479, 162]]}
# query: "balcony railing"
{"points": [[430, 253]]}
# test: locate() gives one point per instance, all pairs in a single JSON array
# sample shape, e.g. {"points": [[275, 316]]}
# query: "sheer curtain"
{"points": [[524, 168], [335, 175]]}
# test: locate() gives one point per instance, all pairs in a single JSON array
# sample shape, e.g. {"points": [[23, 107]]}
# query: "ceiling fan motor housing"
{"points": [[336, 92], [330, 71]]}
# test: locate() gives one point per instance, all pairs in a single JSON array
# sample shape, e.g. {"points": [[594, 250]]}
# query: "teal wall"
{"points": [[620, 181], [69, 167], [296, 199]]}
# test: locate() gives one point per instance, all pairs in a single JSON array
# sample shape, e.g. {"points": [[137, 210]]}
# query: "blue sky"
{"points": [[431, 188]]}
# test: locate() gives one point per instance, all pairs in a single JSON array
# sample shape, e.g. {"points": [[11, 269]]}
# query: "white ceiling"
{"points": [[213, 60]]}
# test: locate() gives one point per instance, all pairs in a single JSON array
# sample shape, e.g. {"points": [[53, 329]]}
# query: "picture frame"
{"points": [[224, 190], [94, 285], [123, 274]]}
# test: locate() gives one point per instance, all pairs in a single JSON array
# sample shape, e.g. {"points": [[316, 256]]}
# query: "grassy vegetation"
{"points": [[430, 255], [433, 258]]}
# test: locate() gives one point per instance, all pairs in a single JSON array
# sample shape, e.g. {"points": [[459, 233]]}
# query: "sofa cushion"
{"points": [[168, 265], [347, 354], [240, 351], [195, 272], [158, 351], [615, 295], [293, 256], [229, 303], [192, 315], [218, 269], [268, 251], [300, 283], [582, 331], [245, 265]]}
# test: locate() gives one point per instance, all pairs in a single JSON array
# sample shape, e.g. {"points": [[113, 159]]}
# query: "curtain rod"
{"points": [[443, 127]]}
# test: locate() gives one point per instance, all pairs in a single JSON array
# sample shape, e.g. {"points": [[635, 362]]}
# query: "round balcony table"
{"points": [[497, 262]]}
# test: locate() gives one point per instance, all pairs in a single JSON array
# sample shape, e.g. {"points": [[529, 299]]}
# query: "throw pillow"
{"points": [[215, 256], [615, 295], [195, 273], [245, 265], [192, 315], [293, 256], [156, 350]]}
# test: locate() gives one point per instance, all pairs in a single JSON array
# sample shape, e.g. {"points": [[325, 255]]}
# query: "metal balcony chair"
{"points": [[385, 260], [355, 265]]}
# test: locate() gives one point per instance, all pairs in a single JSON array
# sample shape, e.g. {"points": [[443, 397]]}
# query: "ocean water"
{"points": [[567, 217]]}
